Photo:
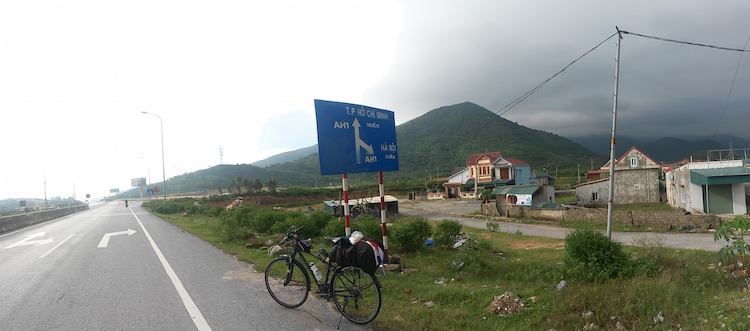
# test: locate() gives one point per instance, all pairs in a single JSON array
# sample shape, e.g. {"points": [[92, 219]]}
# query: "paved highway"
{"points": [[117, 268]]}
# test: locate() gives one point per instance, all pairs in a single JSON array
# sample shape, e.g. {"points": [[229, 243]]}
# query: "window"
{"points": [[634, 161], [595, 196], [683, 194]]}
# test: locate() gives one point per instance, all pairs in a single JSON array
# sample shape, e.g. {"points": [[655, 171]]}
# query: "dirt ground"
{"points": [[273, 201], [452, 206]]}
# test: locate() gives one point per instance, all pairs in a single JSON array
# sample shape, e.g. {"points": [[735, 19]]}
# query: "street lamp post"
{"points": [[163, 168]]}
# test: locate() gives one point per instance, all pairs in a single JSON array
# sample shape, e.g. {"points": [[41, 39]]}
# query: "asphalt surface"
{"points": [[64, 275], [439, 210]]}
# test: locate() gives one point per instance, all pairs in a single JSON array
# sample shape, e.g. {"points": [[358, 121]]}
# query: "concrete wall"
{"points": [[10, 223], [631, 186], [584, 193], [637, 186], [663, 219], [738, 195]]}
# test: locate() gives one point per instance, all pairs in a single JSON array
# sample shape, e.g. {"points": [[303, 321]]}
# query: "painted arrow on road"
{"points": [[105, 239], [29, 242]]}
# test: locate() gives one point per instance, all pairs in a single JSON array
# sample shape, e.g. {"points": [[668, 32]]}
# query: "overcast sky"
{"points": [[242, 75]]}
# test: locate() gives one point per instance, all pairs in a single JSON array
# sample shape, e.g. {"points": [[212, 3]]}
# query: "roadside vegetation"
{"points": [[500, 281]]}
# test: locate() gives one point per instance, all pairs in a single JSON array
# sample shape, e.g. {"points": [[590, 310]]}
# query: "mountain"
{"points": [[431, 145], [442, 139], [668, 149], [287, 157], [447, 136]]}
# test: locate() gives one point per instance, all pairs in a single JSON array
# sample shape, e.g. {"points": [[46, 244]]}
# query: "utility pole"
{"points": [[611, 200], [45, 190]]}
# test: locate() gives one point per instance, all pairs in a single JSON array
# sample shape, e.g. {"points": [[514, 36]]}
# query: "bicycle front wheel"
{"points": [[356, 294], [288, 283]]}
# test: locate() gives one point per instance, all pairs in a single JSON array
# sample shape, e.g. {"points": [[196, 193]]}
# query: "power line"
{"points": [[726, 102], [685, 42], [536, 88], [523, 97]]}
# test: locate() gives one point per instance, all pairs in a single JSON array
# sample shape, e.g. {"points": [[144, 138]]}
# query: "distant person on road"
{"points": [[126, 203]]}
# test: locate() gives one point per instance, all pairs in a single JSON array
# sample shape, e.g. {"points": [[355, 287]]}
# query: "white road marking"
{"points": [[24, 229], [28, 242], [56, 246], [105, 239], [192, 309]]}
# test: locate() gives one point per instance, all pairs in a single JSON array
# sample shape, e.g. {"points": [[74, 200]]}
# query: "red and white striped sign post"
{"points": [[382, 214], [345, 183]]}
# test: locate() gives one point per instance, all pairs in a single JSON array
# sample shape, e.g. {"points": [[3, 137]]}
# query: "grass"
{"points": [[687, 292], [637, 206]]}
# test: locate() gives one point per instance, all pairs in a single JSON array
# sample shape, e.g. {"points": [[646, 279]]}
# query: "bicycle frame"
{"points": [[330, 267], [356, 293]]}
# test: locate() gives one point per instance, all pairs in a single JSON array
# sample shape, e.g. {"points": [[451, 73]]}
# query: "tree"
{"points": [[220, 192], [232, 185], [271, 184], [734, 231], [247, 185], [257, 185]]}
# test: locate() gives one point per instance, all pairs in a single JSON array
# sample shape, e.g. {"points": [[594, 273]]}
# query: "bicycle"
{"points": [[355, 292]]}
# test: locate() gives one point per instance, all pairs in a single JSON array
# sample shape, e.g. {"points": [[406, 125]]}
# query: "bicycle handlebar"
{"points": [[292, 233]]}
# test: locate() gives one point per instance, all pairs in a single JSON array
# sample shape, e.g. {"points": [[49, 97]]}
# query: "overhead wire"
{"points": [[523, 97], [685, 42], [734, 80], [536, 88]]}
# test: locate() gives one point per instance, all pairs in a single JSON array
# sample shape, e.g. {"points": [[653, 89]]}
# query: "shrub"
{"points": [[264, 219], [235, 225], [447, 232], [591, 256], [368, 225], [650, 246], [734, 230], [335, 228], [308, 226], [210, 211], [168, 208], [320, 219], [473, 257], [412, 234]]}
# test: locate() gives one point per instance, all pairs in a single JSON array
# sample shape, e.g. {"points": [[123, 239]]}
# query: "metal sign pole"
{"points": [[345, 183], [382, 214]]}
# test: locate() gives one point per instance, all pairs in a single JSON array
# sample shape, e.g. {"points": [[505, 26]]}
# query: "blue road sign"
{"points": [[355, 138]]}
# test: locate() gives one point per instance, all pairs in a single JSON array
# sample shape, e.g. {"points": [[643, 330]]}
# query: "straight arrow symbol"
{"points": [[28, 242], [105, 239], [359, 143]]}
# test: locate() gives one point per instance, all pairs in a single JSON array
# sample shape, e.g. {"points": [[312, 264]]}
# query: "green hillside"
{"points": [[445, 137], [287, 157], [434, 143]]}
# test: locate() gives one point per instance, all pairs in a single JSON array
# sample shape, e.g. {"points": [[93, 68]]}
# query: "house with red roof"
{"points": [[636, 181], [488, 170]]}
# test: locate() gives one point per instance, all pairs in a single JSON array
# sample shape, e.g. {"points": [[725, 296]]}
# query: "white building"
{"points": [[714, 187]]}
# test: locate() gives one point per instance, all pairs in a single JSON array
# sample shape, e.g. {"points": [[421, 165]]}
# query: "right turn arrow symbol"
{"points": [[105, 239]]}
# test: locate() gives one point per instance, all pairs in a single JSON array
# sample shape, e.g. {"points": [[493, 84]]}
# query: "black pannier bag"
{"points": [[362, 254]]}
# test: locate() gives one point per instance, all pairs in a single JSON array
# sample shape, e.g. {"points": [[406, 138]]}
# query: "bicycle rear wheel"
{"points": [[288, 283], [356, 294]]}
